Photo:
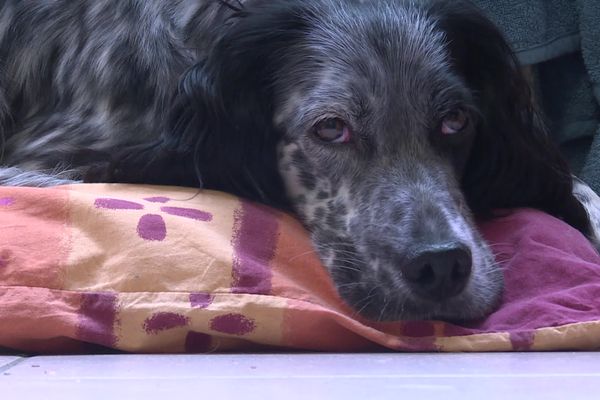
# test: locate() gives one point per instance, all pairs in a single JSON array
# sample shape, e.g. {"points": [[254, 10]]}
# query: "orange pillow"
{"points": [[166, 269]]}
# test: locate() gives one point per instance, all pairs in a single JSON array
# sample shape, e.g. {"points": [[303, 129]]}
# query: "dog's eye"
{"points": [[454, 122], [333, 130]]}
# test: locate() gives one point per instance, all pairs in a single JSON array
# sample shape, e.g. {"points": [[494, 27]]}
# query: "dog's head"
{"points": [[385, 125]]}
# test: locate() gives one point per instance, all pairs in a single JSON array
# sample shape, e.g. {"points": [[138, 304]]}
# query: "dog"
{"points": [[384, 125]]}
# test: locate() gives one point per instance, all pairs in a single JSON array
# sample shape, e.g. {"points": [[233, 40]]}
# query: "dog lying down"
{"points": [[385, 126]]}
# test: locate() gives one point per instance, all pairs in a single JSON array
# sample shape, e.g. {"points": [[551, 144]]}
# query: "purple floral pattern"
{"points": [[6, 201], [152, 226]]}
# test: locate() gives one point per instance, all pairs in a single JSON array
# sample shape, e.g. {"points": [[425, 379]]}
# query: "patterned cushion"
{"points": [[163, 269]]}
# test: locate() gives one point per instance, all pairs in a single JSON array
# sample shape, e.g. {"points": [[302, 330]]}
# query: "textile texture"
{"points": [[157, 269]]}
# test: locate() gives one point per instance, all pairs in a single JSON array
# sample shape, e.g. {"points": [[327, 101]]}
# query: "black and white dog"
{"points": [[385, 125]]}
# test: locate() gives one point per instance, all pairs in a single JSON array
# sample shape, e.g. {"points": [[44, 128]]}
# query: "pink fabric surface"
{"points": [[552, 273]]}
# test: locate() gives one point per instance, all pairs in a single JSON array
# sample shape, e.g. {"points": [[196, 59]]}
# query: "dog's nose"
{"points": [[439, 272]]}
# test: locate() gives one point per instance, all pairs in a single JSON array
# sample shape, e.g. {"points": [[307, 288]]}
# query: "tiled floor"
{"points": [[306, 377]]}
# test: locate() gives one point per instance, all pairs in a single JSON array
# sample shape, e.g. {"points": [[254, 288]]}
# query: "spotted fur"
{"points": [[591, 203], [225, 95]]}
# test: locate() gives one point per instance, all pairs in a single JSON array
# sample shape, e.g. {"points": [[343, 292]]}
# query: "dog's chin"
{"points": [[462, 308], [386, 304]]}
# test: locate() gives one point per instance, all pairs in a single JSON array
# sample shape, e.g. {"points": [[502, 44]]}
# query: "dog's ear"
{"points": [[220, 131], [223, 114], [513, 161]]}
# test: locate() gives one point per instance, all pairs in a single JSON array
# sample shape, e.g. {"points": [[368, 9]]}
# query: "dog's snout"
{"points": [[439, 272]]}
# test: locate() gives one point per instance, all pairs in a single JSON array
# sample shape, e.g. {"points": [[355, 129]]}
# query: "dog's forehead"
{"points": [[365, 52], [382, 71], [398, 33]]}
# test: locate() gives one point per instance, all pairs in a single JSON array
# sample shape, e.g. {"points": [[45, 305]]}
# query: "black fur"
{"points": [[513, 161]]}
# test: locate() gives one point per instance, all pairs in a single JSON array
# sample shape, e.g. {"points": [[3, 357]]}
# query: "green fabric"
{"points": [[539, 30], [560, 39], [565, 93], [589, 12]]}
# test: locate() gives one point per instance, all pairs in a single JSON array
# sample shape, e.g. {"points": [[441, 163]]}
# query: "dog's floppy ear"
{"points": [[220, 133], [223, 116], [513, 161]]}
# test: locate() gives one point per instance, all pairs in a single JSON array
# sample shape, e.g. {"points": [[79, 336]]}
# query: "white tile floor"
{"points": [[304, 376]]}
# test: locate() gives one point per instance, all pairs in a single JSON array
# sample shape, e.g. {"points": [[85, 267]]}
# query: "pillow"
{"points": [[164, 269]]}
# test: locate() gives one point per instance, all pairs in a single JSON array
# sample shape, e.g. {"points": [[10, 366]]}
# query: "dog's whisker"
{"points": [[306, 253], [383, 309]]}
